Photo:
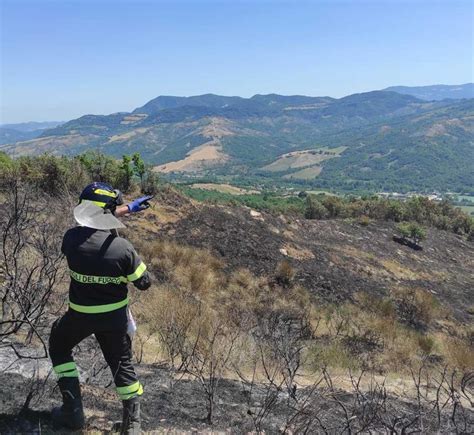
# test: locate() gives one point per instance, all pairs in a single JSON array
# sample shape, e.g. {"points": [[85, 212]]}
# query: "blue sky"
{"points": [[62, 59]]}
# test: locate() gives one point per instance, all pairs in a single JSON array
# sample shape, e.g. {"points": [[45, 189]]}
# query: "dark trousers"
{"points": [[110, 330]]}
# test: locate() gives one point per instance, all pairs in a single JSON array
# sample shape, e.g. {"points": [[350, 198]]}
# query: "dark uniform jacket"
{"points": [[101, 264]]}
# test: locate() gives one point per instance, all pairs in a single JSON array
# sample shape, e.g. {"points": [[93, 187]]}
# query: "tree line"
{"points": [[421, 210], [55, 175]]}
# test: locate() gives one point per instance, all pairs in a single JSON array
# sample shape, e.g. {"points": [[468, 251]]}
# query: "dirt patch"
{"points": [[301, 159], [404, 272], [217, 128], [128, 135], [436, 130], [205, 155], [132, 119], [224, 188], [305, 174], [297, 252]]}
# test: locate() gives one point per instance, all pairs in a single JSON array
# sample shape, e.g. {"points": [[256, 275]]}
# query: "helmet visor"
{"points": [[90, 215]]}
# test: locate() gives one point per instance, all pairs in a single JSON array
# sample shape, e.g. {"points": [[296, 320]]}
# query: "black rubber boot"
{"points": [[71, 413], [131, 417]]}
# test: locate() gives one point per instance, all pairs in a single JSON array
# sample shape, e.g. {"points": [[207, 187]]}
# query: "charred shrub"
{"points": [[365, 343], [416, 308], [285, 274]]}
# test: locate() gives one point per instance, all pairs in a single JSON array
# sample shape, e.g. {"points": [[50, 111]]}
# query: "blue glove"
{"points": [[139, 204]]}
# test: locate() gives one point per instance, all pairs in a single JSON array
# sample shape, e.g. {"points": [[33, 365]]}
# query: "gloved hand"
{"points": [[139, 204]]}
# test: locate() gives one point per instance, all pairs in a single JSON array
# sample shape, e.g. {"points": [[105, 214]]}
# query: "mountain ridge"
{"points": [[436, 92], [235, 138], [22, 131]]}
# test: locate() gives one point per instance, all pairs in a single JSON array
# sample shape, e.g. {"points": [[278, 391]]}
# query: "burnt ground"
{"points": [[333, 259], [179, 407]]}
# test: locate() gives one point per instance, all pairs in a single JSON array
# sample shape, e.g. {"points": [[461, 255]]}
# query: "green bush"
{"points": [[59, 175], [335, 206], [315, 209], [150, 182], [412, 231], [442, 215], [100, 167]]}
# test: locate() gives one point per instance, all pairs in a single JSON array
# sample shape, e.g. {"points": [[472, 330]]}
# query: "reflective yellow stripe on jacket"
{"points": [[139, 271], [93, 279], [97, 309]]}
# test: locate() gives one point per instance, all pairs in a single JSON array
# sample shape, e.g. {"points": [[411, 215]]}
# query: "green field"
{"points": [[322, 192], [469, 209], [466, 197], [466, 204]]}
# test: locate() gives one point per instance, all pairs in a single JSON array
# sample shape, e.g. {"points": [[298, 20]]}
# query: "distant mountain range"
{"points": [[436, 92], [380, 140], [10, 133]]}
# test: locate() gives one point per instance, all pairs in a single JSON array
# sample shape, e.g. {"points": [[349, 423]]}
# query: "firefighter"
{"points": [[100, 265]]}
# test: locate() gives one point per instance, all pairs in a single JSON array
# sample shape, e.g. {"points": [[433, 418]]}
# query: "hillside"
{"points": [[338, 303], [390, 141], [10, 133], [430, 151], [334, 259]]}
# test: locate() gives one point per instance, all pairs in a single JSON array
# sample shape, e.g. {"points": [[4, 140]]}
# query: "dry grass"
{"points": [[285, 273], [207, 154], [459, 353], [306, 173], [417, 306], [224, 188], [217, 128], [193, 269], [401, 271], [60, 144], [128, 134], [305, 158], [370, 333], [295, 251], [334, 355], [168, 314], [352, 252]]}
